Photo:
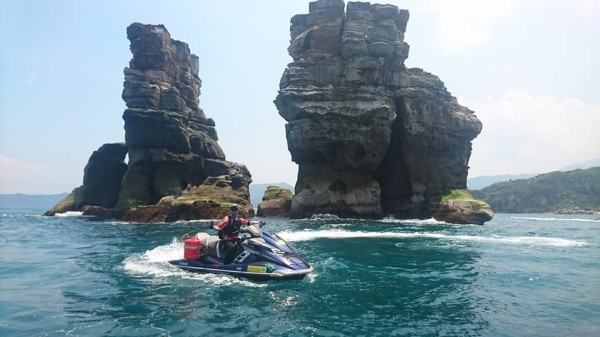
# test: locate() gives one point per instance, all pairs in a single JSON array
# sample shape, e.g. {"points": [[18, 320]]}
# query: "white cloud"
{"points": [[21, 177], [587, 9], [464, 24], [533, 133], [13, 170]]}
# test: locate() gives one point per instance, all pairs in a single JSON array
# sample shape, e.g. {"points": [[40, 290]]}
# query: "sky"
{"points": [[528, 68]]}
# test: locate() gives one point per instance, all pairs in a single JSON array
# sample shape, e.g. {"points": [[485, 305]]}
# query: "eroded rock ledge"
{"points": [[370, 136]]}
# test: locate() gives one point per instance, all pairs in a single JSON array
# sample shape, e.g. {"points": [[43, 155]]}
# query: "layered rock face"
{"points": [[172, 145], [370, 136], [169, 139], [430, 147]]}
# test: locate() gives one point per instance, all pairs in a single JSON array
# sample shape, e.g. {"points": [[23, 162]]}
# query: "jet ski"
{"points": [[260, 256]]}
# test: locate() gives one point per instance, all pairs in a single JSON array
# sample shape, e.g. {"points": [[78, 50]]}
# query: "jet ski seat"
{"points": [[212, 244]]}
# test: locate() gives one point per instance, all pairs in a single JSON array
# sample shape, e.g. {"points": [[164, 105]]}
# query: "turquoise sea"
{"points": [[519, 275]]}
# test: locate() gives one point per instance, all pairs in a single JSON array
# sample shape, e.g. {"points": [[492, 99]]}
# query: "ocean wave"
{"points": [[525, 240], [199, 221], [118, 222], [423, 222], [155, 262], [554, 219], [341, 234], [68, 214]]}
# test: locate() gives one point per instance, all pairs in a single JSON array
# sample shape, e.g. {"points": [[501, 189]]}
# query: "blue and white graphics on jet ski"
{"points": [[261, 256]]}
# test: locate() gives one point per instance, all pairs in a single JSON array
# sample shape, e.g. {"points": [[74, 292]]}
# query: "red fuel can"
{"points": [[192, 249]]}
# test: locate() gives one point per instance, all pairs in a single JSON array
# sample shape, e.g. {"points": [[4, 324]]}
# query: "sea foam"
{"points": [[554, 219], [342, 234], [155, 262], [68, 214]]}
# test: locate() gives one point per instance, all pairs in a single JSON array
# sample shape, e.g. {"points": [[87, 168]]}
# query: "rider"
{"points": [[228, 229]]}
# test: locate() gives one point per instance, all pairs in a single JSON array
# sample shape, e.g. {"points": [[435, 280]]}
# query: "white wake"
{"points": [[307, 235], [155, 263]]}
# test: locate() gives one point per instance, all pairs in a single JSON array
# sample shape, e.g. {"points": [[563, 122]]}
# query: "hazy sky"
{"points": [[528, 68]]}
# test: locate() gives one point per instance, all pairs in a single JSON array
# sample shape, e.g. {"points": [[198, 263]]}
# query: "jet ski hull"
{"points": [[261, 271]]}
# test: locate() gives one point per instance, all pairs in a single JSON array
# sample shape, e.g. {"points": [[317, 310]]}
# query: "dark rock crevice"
{"points": [[392, 174]]}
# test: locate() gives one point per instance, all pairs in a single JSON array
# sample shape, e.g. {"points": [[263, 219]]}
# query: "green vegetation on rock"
{"points": [[459, 206], [71, 202], [465, 195], [461, 194], [276, 192]]}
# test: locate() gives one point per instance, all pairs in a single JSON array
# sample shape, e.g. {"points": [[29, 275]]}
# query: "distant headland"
{"points": [[571, 192]]}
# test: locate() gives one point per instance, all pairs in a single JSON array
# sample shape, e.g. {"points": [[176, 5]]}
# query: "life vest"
{"points": [[231, 229]]}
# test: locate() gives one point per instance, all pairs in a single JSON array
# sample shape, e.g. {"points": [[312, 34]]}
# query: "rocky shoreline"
{"points": [[575, 210]]}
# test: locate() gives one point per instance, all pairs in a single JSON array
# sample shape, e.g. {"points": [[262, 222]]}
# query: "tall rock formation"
{"points": [[369, 135], [170, 141], [176, 167]]}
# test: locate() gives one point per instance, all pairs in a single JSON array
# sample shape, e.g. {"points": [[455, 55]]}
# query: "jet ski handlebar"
{"points": [[212, 224]]}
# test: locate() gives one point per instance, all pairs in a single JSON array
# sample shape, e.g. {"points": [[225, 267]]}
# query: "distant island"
{"points": [[257, 191], [45, 201], [479, 182], [576, 191]]}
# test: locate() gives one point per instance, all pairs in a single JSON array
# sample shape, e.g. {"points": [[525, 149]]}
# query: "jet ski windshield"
{"points": [[250, 231]]}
